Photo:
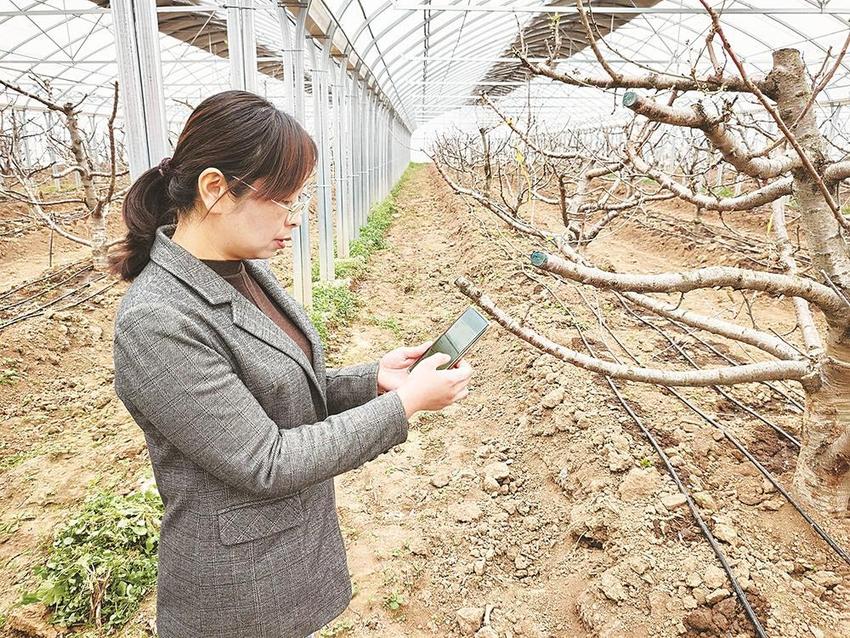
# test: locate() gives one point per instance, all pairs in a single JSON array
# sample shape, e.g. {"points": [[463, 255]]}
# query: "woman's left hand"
{"points": [[392, 367]]}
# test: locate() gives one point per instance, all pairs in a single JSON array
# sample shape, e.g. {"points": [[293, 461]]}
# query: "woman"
{"points": [[225, 374]]}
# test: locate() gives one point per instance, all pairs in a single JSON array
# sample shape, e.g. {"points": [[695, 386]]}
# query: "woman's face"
{"points": [[245, 227], [261, 227]]}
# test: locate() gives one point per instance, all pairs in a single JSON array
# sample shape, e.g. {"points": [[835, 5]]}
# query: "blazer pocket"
{"points": [[257, 519]]}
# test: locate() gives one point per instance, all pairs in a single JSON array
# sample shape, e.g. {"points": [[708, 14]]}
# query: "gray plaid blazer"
{"points": [[245, 437]]}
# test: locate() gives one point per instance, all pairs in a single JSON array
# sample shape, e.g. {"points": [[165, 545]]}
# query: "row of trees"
{"points": [[719, 140], [55, 160], [722, 141]]}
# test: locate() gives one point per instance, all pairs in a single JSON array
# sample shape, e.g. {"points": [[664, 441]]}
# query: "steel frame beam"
{"points": [[140, 78], [242, 45]]}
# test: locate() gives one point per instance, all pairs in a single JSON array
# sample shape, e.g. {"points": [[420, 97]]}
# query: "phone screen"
{"points": [[458, 338]]}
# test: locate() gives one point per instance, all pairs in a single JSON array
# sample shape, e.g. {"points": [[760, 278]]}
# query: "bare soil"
{"points": [[569, 536]]}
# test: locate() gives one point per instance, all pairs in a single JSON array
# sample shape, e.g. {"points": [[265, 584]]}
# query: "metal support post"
{"points": [[241, 45], [323, 168], [140, 78], [339, 152], [302, 284]]}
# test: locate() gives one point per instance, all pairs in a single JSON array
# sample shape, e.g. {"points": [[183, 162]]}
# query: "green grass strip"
{"points": [[334, 304]]}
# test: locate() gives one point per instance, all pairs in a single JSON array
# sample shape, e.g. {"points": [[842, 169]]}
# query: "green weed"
{"points": [[16, 459], [10, 374], [350, 267], [333, 306], [102, 562], [394, 601], [391, 324], [341, 628]]}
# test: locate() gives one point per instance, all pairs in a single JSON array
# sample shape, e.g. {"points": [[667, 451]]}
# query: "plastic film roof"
{"points": [[428, 59]]}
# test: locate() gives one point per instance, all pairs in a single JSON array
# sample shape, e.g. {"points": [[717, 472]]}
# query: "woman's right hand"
{"points": [[427, 388]]}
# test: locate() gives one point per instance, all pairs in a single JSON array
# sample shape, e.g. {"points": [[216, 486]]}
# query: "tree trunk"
{"points": [[82, 159], [488, 170], [99, 240], [823, 466]]}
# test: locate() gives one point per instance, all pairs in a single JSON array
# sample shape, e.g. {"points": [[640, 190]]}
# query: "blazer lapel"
{"points": [[295, 312], [182, 264]]}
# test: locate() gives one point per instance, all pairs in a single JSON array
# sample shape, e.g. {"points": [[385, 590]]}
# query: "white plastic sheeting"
{"points": [[427, 57]]}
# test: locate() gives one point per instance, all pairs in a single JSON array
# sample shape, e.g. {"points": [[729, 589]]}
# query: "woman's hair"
{"points": [[237, 132]]}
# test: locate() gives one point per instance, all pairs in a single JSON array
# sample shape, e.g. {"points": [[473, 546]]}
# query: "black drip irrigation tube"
{"points": [[739, 593], [44, 290], [817, 528], [779, 430], [538, 259], [37, 311], [842, 553], [792, 401], [46, 277]]}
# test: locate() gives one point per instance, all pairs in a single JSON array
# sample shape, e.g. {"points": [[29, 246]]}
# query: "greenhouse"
{"points": [[396, 318]]}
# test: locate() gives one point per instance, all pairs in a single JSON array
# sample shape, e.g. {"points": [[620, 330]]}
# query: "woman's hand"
{"points": [[392, 367], [428, 388]]}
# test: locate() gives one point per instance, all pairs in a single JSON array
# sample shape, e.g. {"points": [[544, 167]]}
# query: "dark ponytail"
{"points": [[145, 208], [237, 132]]}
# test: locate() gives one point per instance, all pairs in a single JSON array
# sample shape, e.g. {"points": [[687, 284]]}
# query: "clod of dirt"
{"points": [[553, 398], [612, 586], [705, 501], [640, 483], [699, 619], [713, 577], [750, 494], [440, 480], [674, 501], [465, 512], [594, 521], [469, 619], [717, 595], [725, 533], [498, 471], [618, 462]]}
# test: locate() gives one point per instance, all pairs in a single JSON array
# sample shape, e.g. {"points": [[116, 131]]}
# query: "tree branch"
{"points": [[756, 198], [649, 81], [833, 306], [765, 371], [811, 338], [792, 139], [716, 132]]}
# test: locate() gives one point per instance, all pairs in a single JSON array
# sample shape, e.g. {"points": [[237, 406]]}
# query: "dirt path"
{"points": [[568, 536]]}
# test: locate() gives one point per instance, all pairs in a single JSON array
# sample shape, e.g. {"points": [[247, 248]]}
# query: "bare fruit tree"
{"points": [[738, 158], [68, 152]]}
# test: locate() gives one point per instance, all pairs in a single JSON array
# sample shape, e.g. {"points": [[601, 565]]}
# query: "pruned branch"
{"points": [[833, 306], [789, 135], [759, 197], [658, 81], [509, 121], [715, 130], [765, 371]]}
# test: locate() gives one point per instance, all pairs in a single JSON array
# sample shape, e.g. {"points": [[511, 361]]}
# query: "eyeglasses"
{"points": [[293, 210]]}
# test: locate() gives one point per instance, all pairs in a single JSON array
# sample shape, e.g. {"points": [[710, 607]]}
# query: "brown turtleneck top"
{"points": [[233, 271]]}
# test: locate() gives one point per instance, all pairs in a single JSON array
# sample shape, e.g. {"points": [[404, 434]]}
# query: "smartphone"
{"points": [[458, 338]]}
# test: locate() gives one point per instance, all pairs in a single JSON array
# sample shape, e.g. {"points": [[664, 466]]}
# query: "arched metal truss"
{"points": [[376, 71], [70, 42]]}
